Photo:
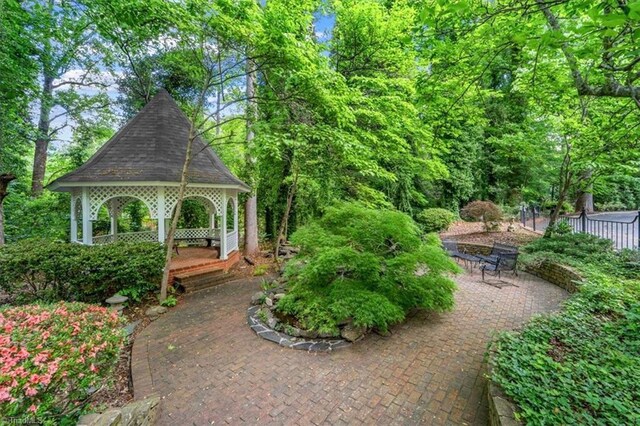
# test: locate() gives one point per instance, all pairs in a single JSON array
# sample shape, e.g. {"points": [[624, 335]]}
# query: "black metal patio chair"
{"points": [[452, 249], [504, 262], [497, 250]]}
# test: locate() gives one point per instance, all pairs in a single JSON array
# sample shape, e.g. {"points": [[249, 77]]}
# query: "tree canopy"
{"points": [[405, 105]]}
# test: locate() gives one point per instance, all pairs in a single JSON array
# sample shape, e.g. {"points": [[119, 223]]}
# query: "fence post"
{"points": [[583, 221], [523, 216], [533, 214], [638, 222]]}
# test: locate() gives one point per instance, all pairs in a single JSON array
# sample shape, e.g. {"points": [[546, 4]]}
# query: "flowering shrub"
{"points": [[52, 355]]}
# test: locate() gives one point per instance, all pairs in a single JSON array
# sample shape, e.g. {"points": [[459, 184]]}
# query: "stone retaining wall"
{"points": [[138, 413], [501, 409], [560, 275]]}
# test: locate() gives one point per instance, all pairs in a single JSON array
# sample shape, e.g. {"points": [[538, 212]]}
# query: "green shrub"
{"points": [[39, 270], [577, 246], [260, 270], [611, 207], [581, 366], [435, 220], [485, 211], [367, 266], [169, 302], [52, 356], [565, 208], [559, 228]]}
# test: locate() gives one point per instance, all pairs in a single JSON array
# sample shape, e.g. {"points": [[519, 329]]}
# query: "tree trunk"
{"points": [[285, 218], [42, 140], [176, 215], [251, 205], [585, 195], [5, 180], [251, 226], [566, 178]]}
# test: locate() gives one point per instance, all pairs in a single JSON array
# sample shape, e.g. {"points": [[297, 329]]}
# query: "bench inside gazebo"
{"points": [[143, 162]]}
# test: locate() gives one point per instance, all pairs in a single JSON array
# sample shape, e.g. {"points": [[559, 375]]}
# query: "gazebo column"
{"points": [[87, 228], [161, 218], [113, 215], [74, 221], [212, 220], [223, 227], [235, 221]]}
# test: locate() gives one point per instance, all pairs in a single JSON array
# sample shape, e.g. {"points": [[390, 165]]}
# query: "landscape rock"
{"points": [[308, 334], [155, 311], [268, 301], [138, 413], [257, 298], [278, 296], [352, 333]]}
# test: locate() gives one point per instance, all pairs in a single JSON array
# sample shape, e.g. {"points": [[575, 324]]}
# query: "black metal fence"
{"points": [[530, 217], [624, 235]]}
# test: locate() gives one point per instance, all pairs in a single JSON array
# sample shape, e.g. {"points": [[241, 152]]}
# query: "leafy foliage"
{"points": [[365, 265], [580, 366], [578, 246], [435, 219], [52, 356], [39, 270]]}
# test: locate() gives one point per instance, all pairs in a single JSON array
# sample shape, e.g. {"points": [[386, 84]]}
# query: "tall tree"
{"points": [[68, 54], [17, 82]]}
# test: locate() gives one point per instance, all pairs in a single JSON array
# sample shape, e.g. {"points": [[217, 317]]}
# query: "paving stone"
{"points": [[227, 374]]}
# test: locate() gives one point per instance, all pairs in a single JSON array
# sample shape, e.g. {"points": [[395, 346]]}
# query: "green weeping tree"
{"points": [[365, 266]]}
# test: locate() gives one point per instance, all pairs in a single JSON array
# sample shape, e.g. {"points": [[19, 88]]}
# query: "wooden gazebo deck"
{"points": [[200, 265]]}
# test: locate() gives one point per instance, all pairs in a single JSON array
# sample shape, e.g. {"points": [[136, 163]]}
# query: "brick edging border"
{"points": [[501, 409]]}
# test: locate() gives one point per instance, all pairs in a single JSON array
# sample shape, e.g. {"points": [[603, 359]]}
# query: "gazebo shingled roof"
{"points": [[151, 147], [144, 162]]}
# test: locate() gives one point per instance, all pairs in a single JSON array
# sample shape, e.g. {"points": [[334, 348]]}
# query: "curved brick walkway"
{"points": [[210, 368]]}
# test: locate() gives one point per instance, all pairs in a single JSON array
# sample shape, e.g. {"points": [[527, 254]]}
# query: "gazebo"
{"points": [[143, 161]]}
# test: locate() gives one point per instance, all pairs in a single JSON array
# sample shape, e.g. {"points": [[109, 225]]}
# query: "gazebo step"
{"points": [[204, 267], [199, 280]]}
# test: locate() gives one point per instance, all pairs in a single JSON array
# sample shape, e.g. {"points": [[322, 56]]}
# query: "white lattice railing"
{"points": [[127, 237], [232, 241], [103, 239], [184, 235], [197, 233]]}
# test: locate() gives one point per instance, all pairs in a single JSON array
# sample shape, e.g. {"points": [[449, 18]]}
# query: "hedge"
{"points": [[46, 271]]}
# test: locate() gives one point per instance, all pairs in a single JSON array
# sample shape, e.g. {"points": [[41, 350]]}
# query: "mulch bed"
{"points": [[472, 232]]}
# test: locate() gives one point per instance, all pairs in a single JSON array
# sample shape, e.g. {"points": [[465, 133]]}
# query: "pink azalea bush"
{"points": [[52, 355]]}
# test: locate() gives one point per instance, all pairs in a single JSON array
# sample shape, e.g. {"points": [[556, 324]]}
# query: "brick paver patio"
{"points": [[210, 368]]}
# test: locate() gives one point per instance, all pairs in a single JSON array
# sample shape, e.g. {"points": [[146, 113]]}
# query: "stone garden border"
{"points": [[282, 339], [501, 409]]}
